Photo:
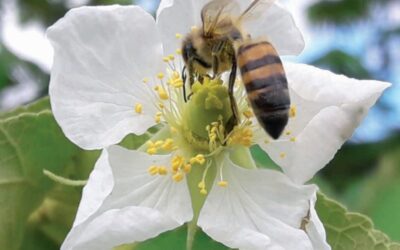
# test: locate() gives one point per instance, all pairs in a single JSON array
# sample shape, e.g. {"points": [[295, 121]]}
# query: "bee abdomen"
{"points": [[266, 84]]}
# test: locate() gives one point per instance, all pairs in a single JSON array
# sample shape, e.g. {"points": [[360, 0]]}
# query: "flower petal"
{"points": [[101, 56], [315, 229], [275, 23], [177, 17], [139, 207], [329, 108], [259, 209], [99, 186]]}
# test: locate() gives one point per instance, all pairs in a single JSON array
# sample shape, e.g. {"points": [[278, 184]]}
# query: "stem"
{"points": [[192, 230]]}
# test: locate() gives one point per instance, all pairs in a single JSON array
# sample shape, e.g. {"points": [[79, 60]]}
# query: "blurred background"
{"points": [[358, 38]]}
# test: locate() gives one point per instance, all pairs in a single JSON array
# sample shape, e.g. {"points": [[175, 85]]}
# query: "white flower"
{"points": [[106, 83]]}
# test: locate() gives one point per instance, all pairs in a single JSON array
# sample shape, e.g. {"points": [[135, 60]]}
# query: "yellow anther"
{"points": [[161, 105], [150, 143], [153, 170], [223, 183], [158, 143], [200, 159], [202, 185], [176, 80], [177, 162], [146, 80], [177, 177], [138, 108], [248, 114], [171, 57], [160, 75], [152, 150], [178, 35], [187, 167], [157, 119], [293, 139], [166, 59], [292, 112], [288, 132], [178, 52], [282, 155], [162, 170], [168, 144], [162, 93], [242, 136], [203, 191]]}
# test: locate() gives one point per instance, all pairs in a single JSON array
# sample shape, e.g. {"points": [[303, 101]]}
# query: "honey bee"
{"points": [[221, 44]]}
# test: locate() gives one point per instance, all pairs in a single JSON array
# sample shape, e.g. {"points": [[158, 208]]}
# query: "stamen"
{"points": [[178, 36], [282, 155], [160, 75], [153, 170], [162, 170], [288, 132], [146, 80], [177, 177], [200, 159], [171, 57], [293, 112], [166, 59], [248, 114], [176, 162], [138, 108], [203, 191], [293, 139], [161, 93], [223, 183], [152, 150], [168, 145], [178, 51], [187, 168]]}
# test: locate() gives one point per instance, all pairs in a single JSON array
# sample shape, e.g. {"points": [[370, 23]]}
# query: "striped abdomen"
{"points": [[266, 85]]}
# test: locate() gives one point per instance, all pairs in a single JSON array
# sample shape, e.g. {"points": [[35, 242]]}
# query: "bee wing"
{"points": [[255, 9], [216, 11]]}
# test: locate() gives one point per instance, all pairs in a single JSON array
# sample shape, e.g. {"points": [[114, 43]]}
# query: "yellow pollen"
{"points": [[242, 136], [157, 118], [152, 150], [160, 75], [288, 132], [178, 35], [168, 144], [176, 80], [187, 168], [177, 177], [166, 59], [293, 139], [162, 93], [171, 57], [203, 191], [223, 183], [161, 105], [138, 108], [200, 159], [282, 155], [146, 80], [177, 162], [248, 114], [153, 170], [202, 185], [162, 170], [292, 112], [178, 52], [158, 143]]}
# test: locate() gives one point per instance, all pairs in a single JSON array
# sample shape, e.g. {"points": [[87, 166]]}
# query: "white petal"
{"points": [[101, 56], [260, 209], [329, 108], [276, 24], [139, 207], [99, 186], [177, 17], [315, 229]]}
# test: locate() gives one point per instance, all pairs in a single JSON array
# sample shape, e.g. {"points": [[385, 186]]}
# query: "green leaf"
{"points": [[29, 143], [346, 230], [35, 107]]}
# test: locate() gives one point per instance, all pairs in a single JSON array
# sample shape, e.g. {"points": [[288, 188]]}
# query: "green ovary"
{"points": [[209, 103]]}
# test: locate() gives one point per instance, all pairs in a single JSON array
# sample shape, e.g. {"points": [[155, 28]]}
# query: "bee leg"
{"points": [[190, 70], [235, 119], [216, 50], [184, 82]]}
